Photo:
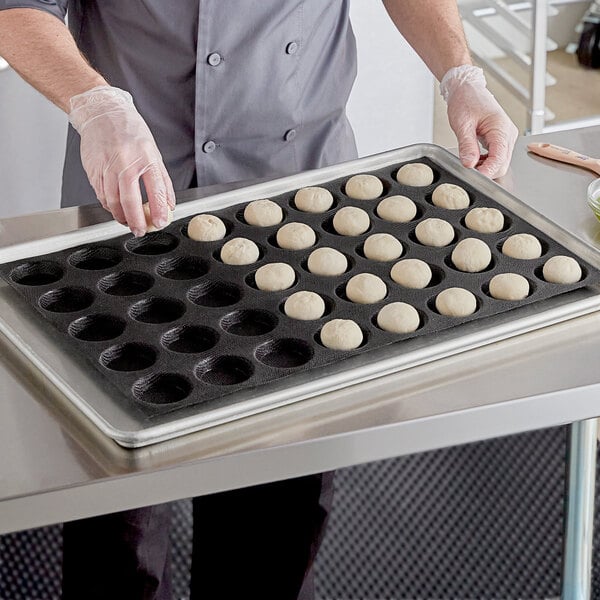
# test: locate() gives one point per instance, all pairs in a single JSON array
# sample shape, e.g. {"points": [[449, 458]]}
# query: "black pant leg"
{"points": [[260, 542], [119, 556]]}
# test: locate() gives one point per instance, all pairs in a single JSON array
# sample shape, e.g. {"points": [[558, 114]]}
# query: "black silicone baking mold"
{"points": [[168, 325]]}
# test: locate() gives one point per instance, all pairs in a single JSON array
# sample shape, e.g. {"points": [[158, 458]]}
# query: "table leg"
{"points": [[579, 527]]}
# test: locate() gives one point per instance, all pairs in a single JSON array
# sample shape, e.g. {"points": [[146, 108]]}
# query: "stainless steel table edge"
{"points": [[68, 376], [254, 467]]}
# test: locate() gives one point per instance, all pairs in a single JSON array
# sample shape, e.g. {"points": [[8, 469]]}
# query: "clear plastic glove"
{"points": [[117, 149], [475, 115]]}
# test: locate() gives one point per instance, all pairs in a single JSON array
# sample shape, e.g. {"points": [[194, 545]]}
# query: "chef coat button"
{"points": [[214, 59], [290, 134], [292, 48], [209, 147]]}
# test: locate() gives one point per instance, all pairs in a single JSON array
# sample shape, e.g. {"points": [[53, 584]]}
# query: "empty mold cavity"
{"points": [[224, 370], [157, 310], [162, 388], [95, 258], [126, 283], [43, 272], [284, 353], [67, 299], [97, 328], [190, 339], [128, 357], [215, 294], [249, 322], [151, 244], [182, 268]]}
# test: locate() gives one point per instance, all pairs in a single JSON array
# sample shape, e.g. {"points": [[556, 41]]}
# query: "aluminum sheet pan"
{"points": [[85, 389]]}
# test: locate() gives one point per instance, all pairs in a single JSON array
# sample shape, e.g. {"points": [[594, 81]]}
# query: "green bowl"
{"points": [[594, 197]]}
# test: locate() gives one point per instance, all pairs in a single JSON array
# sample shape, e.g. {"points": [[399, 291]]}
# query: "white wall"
{"points": [[392, 102], [32, 144]]}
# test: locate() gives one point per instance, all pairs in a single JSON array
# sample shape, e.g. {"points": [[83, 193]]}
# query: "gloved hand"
{"points": [[474, 114], [117, 148]]}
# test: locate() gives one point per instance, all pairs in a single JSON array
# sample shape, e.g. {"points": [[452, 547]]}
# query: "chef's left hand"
{"points": [[475, 115]]}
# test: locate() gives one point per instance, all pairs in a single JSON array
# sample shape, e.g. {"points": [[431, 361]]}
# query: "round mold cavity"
{"points": [[215, 294], [249, 322], [228, 229], [126, 283], [152, 244], [43, 272], [97, 328], [95, 258], [287, 353], [224, 370], [182, 268], [190, 339], [162, 388], [157, 310], [448, 262], [132, 356], [66, 299]]}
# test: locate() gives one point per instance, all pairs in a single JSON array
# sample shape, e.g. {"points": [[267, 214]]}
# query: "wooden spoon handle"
{"points": [[565, 155]]}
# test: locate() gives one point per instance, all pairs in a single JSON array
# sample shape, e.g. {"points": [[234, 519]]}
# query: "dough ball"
{"points": [[456, 302], [383, 247], [263, 213], [485, 220], [351, 221], [397, 209], [398, 317], [522, 245], [239, 251], [150, 227], [296, 236], [471, 255], [415, 174], [509, 286], [412, 273], [327, 261], [206, 228], [341, 334], [434, 232], [274, 277], [364, 187], [448, 195], [365, 288], [562, 269], [313, 199], [304, 306]]}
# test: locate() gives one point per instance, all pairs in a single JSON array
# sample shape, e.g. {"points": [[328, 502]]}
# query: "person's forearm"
{"points": [[41, 49], [434, 29]]}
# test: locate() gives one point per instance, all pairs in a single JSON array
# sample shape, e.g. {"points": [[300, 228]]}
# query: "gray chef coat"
{"points": [[231, 89]]}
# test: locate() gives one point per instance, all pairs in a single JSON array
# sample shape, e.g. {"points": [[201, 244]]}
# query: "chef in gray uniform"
{"points": [[194, 93]]}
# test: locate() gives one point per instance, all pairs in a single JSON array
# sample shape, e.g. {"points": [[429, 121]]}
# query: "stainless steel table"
{"points": [[56, 467]]}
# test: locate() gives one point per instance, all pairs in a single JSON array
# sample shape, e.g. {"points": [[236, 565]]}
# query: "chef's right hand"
{"points": [[117, 148]]}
